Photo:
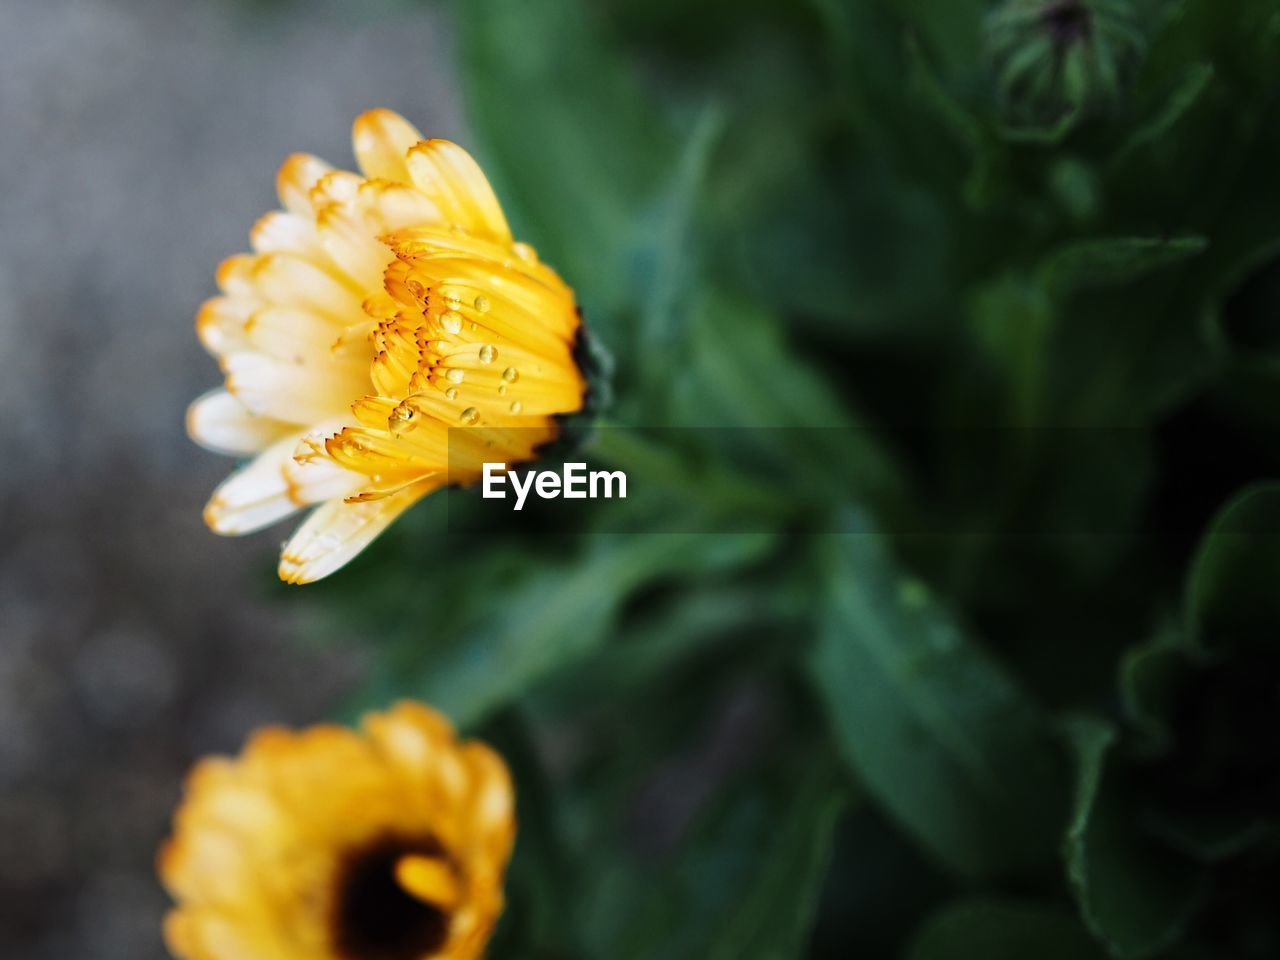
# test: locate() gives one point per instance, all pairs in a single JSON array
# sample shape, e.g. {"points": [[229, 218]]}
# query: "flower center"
{"points": [[375, 917], [1067, 21]]}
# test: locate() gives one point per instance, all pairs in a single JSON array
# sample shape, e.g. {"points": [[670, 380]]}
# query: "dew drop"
{"points": [[401, 420], [416, 288], [451, 321], [452, 298], [502, 389], [470, 416], [511, 374], [482, 303], [487, 353], [516, 406], [454, 375], [451, 393], [525, 252]]}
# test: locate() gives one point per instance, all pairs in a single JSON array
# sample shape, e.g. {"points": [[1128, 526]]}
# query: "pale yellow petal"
{"points": [[280, 232], [352, 245], [381, 139], [315, 479], [256, 495], [392, 207], [289, 391], [290, 280], [299, 336], [337, 531], [221, 423], [221, 321], [295, 180]]}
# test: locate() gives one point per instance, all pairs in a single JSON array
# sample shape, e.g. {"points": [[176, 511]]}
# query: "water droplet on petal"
{"points": [[451, 393], [470, 416], [511, 374], [416, 288], [502, 389], [401, 420], [452, 298], [482, 303], [455, 375], [525, 252], [488, 352], [451, 321], [516, 406]]}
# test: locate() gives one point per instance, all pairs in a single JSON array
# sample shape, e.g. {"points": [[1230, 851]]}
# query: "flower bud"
{"points": [[1056, 60]]}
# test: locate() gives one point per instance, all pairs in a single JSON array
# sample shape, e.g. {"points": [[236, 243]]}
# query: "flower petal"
{"points": [[279, 232], [291, 473], [220, 323], [381, 139], [455, 183], [337, 531], [290, 280], [294, 392], [256, 495], [299, 336], [298, 174], [312, 477], [221, 423]]}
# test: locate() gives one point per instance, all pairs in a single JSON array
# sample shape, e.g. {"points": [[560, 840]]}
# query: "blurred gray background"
{"points": [[138, 143]]}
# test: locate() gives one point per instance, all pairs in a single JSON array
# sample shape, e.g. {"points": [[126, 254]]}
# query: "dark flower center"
{"points": [[373, 917], [1067, 21]]}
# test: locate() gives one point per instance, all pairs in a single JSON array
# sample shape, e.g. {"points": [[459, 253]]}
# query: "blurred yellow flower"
{"points": [[387, 843], [375, 314]]}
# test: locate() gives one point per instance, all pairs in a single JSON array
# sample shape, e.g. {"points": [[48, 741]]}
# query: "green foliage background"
{"points": [[1023, 260]]}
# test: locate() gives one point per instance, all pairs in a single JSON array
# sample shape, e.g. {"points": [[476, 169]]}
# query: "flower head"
{"points": [[387, 843], [376, 313]]}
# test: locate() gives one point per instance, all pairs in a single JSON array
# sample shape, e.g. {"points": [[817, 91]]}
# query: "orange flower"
{"points": [[377, 314], [330, 844]]}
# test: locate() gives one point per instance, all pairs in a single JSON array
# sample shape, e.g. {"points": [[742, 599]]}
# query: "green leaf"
{"points": [[1135, 895], [1047, 134], [693, 624], [1184, 96], [744, 883], [963, 124], [746, 375], [950, 29], [533, 923], [668, 256], [938, 732], [1108, 262], [1231, 589], [775, 910], [560, 613], [989, 929], [1150, 676], [1013, 320]]}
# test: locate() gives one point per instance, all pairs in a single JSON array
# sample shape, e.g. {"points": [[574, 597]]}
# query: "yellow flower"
{"points": [[389, 843], [375, 314]]}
